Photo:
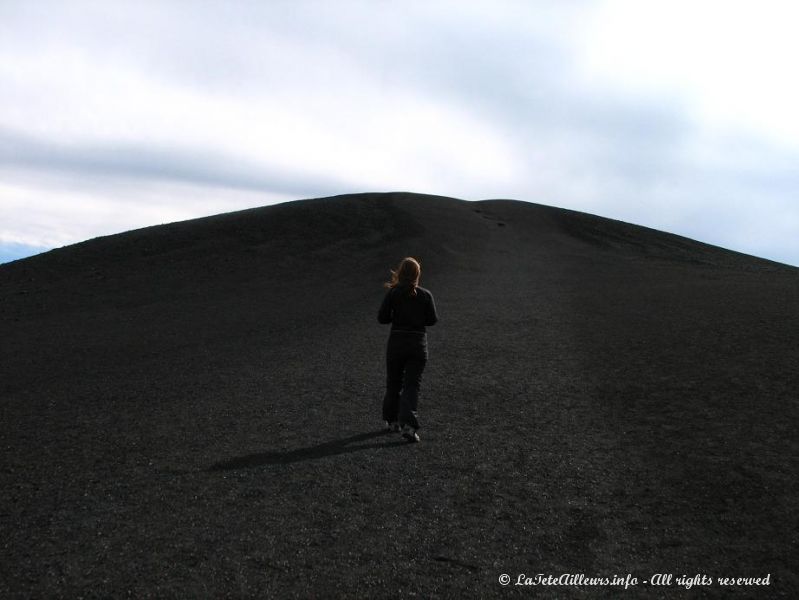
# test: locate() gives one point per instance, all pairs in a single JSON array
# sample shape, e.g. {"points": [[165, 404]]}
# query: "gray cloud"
{"points": [[150, 162]]}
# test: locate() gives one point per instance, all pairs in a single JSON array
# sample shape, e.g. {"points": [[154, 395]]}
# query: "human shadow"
{"points": [[332, 448]]}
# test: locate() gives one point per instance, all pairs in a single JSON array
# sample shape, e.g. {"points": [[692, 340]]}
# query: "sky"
{"points": [[677, 114]]}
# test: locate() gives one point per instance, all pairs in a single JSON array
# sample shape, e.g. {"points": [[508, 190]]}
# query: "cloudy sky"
{"points": [[675, 114]]}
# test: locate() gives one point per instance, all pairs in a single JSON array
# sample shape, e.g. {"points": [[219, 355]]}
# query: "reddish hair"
{"points": [[407, 273]]}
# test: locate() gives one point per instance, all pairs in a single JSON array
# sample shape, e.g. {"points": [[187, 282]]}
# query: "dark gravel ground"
{"points": [[193, 410]]}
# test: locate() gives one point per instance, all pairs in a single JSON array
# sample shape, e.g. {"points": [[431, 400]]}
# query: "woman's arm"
{"points": [[384, 314], [430, 316]]}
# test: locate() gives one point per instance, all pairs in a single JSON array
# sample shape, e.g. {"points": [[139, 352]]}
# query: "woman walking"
{"points": [[409, 308]]}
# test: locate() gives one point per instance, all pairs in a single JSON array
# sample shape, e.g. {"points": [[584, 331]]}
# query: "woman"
{"points": [[409, 308]]}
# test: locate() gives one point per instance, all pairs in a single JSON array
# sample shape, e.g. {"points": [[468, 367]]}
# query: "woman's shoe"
{"points": [[410, 434]]}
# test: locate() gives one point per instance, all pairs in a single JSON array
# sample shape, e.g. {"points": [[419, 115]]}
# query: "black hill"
{"points": [[193, 409]]}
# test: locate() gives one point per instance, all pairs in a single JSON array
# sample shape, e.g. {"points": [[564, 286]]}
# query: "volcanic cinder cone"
{"points": [[193, 409]]}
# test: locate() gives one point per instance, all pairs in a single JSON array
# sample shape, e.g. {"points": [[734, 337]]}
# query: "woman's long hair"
{"points": [[406, 274]]}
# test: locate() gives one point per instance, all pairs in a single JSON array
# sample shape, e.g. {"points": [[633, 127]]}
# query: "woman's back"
{"points": [[407, 311]]}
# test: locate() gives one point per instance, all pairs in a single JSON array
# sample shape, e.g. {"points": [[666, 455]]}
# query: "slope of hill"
{"points": [[193, 409]]}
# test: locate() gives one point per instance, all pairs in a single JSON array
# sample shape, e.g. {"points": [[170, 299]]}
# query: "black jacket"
{"points": [[406, 312]]}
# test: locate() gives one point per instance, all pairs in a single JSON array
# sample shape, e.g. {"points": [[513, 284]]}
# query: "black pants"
{"points": [[406, 356]]}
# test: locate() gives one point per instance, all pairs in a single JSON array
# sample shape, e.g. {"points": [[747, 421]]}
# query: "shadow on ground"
{"points": [[332, 448]]}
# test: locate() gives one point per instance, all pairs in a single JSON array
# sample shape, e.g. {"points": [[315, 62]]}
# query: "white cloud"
{"points": [[55, 211], [731, 62]]}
